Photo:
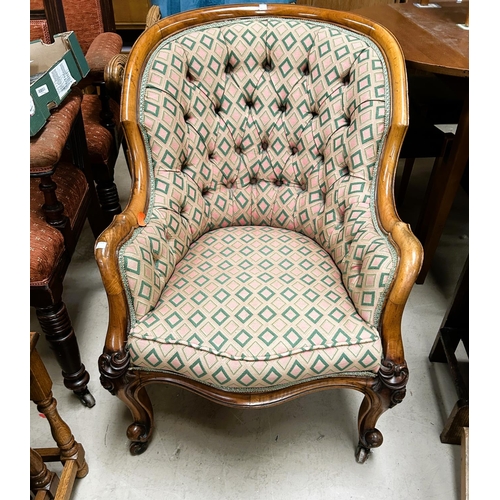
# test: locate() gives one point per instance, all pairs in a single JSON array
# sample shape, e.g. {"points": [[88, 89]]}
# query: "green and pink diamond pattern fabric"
{"points": [[261, 263]]}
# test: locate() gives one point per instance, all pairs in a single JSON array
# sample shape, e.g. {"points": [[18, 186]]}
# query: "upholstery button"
{"points": [[217, 110], [238, 149], [264, 145], [321, 157], [347, 79], [211, 156], [229, 185], [294, 150], [204, 191], [186, 117], [282, 108], [267, 65], [250, 104], [228, 69], [314, 114], [253, 180], [303, 186], [306, 70], [278, 183]]}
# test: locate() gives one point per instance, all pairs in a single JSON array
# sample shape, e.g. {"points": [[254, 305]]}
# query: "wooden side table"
{"points": [[434, 41], [43, 482], [455, 329]]}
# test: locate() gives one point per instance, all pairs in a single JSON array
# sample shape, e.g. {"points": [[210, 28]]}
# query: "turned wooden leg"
{"points": [[107, 192], [41, 395], [405, 181], [56, 325], [41, 478]]}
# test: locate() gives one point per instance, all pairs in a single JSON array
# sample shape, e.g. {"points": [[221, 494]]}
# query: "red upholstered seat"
{"points": [[47, 242]]}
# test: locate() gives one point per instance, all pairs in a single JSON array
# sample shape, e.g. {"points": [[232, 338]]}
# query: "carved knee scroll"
{"points": [[393, 378], [118, 381], [113, 368]]}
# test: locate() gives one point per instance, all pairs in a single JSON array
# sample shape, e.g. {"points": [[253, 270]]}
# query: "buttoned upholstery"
{"points": [[260, 256]]}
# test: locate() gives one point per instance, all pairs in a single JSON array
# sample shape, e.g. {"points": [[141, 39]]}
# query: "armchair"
{"points": [[260, 256]]}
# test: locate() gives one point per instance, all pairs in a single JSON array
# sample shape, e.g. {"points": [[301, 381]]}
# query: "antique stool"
{"points": [[43, 482]]}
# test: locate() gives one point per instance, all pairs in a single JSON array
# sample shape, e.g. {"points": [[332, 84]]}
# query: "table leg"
{"points": [[455, 328], [441, 193]]}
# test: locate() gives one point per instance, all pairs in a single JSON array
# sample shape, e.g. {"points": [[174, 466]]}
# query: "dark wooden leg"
{"points": [[455, 328], [56, 325], [80, 155], [458, 419], [405, 180], [53, 210], [107, 192], [104, 174], [41, 478], [441, 193]]}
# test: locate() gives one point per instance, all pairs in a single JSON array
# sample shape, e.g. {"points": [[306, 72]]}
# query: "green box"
{"points": [[54, 69]]}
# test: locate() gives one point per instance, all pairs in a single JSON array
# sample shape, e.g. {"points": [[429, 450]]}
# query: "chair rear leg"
{"points": [[107, 192], [56, 325]]}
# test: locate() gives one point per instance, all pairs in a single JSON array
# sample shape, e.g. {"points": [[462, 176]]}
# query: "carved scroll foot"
{"points": [[139, 437], [371, 438], [140, 431], [116, 378]]}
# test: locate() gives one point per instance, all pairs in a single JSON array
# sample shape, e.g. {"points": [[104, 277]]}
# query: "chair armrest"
{"points": [[103, 48]]}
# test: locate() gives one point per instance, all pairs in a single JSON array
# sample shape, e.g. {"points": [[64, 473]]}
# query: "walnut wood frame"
{"points": [[381, 392]]}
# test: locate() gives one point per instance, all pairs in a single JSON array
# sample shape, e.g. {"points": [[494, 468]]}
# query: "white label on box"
{"points": [[62, 79], [32, 106], [40, 91]]}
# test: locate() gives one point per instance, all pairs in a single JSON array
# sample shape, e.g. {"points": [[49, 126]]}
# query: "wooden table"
{"points": [[434, 40]]}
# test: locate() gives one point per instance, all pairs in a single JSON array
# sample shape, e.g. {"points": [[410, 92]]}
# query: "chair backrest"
{"points": [[266, 120], [87, 22]]}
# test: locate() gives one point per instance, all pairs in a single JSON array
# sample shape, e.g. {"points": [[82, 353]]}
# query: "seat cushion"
{"points": [[250, 308]]}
